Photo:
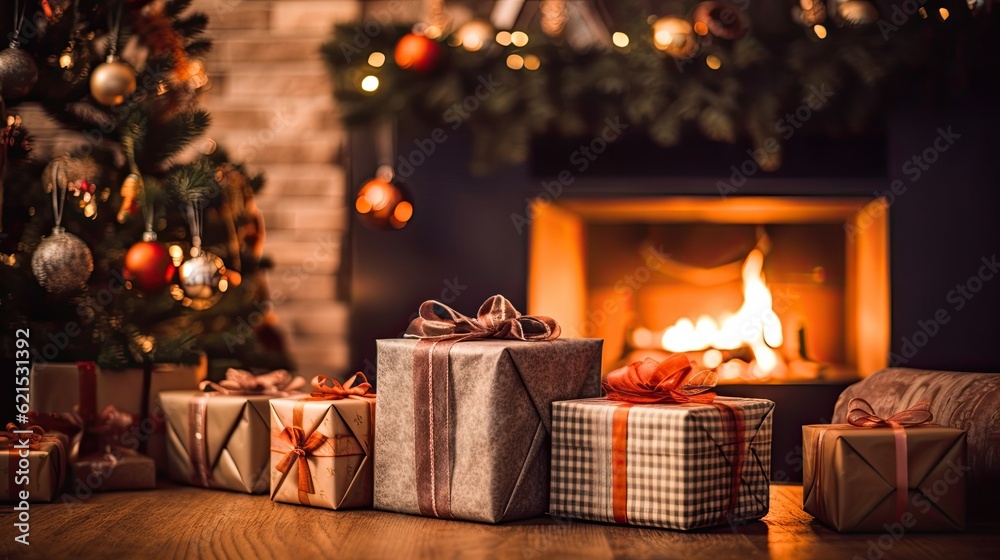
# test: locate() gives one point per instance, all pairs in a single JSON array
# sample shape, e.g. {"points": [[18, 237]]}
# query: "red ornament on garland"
{"points": [[417, 53], [148, 265]]}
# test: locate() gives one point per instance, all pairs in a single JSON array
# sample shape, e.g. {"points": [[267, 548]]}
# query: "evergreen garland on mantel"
{"points": [[701, 67]]}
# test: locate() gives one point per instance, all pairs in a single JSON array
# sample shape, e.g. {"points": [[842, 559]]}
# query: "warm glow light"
{"points": [[619, 39], [820, 31], [755, 325], [944, 14], [923, 12], [532, 62], [663, 36], [432, 32], [403, 212], [642, 338], [519, 38], [503, 38], [712, 358], [701, 28], [363, 205], [474, 34], [223, 285], [515, 62], [377, 193], [376, 59], [369, 84], [713, 62]]}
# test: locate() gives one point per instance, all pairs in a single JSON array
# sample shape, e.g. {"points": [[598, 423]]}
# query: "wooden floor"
{"points": [[181, 522]]}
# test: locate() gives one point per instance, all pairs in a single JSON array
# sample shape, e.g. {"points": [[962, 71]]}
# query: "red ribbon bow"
{"points": [[9, 439], [239, 382], [497, 318], [671, 381], [862, 414], [331, 389], [302, 447]]}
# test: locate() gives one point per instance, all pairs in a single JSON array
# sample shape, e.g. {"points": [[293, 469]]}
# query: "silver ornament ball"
{"points": [[111, 82], [18, 73], [200, 276], [62, 263]]}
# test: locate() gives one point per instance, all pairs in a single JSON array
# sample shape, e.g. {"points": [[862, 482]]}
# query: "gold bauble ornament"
{"points": [[675, 37], [111, 82]]}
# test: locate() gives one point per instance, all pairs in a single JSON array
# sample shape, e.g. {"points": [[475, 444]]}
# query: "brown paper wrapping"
{"points": [[56, 388], [46, 470], [127, 470], [502, 391], [235, 439], [856, 487], [341, 481]]}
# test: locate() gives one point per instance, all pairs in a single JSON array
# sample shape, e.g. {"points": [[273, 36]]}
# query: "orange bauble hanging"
{"points": [[148, 266], [417, 53]]}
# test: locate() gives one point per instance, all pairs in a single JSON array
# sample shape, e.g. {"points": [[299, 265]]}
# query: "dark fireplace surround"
{"points": [[465, 242]]}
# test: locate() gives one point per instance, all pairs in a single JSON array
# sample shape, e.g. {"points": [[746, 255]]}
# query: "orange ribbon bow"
{"points": [[9, 439], [302, 447], [671, 381], [331, 389], [496, 318], [239, 382]]}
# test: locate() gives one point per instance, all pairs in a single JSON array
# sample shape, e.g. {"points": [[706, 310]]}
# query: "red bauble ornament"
{"points": [[417, 53], [148, 266]]}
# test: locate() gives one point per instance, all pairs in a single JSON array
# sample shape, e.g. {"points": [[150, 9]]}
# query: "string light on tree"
{"points": [[474, 35], [722, 19], [675, 37], [857, 12]]}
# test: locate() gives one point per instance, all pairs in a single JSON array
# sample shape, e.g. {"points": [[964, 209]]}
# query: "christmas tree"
{"points": [[135, 239]]}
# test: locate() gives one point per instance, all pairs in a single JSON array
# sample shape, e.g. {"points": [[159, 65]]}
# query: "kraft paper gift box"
{"points": [[870, 476], [96, 459], [661, 450], [222, 439], [45, 464], [87, 388], [322, 445], [472, 440]]}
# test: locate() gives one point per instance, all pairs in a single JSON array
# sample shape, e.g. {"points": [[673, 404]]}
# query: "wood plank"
{"points": [[182, 522]]}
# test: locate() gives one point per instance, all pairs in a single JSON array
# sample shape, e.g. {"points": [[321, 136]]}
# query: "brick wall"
{"points": [[271, 102]]}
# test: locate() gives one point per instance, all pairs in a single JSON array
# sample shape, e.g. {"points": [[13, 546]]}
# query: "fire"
{"points": [[755, 325]]}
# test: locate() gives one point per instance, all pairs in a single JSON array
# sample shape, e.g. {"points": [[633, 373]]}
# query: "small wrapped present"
{"points": [[463, 422], [661, 450], [874, 474], [86, 388], [221, 439], [321, 445], [37, 477], [97, 460]]}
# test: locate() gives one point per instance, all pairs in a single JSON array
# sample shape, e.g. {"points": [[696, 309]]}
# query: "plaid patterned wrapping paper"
{"points": [[678, 462]]}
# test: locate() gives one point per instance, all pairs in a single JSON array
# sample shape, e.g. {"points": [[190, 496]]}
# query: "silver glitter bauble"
{"points": [[200, 276], [62, 263], [18, 73]]}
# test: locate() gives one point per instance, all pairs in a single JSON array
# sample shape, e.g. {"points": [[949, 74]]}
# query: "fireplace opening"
{"points": [[761, 290]]}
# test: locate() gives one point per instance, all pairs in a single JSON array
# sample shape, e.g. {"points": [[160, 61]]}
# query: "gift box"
{"points": [[41, 474], [463, 422], [97, 460], [222, 439], [661, 450], [85, 389], [871, 475], [118, 469], [322, 445]]}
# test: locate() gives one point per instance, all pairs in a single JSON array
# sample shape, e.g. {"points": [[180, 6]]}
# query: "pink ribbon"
{"points": [[239, 382]]}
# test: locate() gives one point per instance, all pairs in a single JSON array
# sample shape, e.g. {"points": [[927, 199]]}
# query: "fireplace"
{"points": [[777, 290]]}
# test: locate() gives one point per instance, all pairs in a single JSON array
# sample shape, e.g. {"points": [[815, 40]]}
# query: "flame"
{"points": [[755, 325]]}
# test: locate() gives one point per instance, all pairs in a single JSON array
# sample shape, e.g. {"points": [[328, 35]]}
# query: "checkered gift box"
{"points": [[661, 465]]}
